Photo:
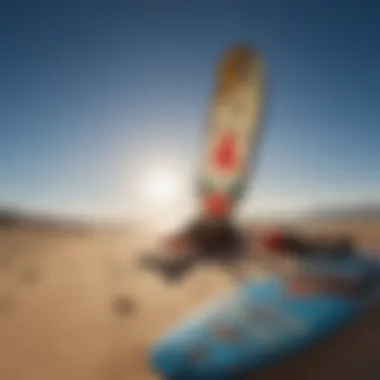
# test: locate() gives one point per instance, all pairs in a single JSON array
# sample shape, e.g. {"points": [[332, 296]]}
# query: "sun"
{"points": [[162, 194], [161, 186]]}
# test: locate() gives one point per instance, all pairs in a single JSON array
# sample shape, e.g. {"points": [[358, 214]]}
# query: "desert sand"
{"points": [[74, 306]]}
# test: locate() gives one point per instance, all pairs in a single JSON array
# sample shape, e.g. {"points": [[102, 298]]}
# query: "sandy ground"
{"points": [[62, 314]]}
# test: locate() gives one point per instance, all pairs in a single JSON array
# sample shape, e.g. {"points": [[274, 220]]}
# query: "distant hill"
{"points": [[14, 217], [357, 211], [324, 212], [10, 217]]}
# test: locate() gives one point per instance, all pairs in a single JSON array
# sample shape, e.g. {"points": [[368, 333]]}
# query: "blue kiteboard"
{"points": [[266, 321]]}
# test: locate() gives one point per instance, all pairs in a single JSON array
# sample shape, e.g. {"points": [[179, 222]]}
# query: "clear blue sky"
{"points": [[89, 88]]}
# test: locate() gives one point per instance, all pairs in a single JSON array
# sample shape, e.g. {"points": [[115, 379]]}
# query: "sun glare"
{"points": [[161, 186], [163, 193]]}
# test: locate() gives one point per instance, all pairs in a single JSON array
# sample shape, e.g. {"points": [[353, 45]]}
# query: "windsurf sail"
{"points": [[233, 130]]}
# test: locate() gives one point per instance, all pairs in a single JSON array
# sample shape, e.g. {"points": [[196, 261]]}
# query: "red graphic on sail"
{"points": [[226, 155], [218, 205]]}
